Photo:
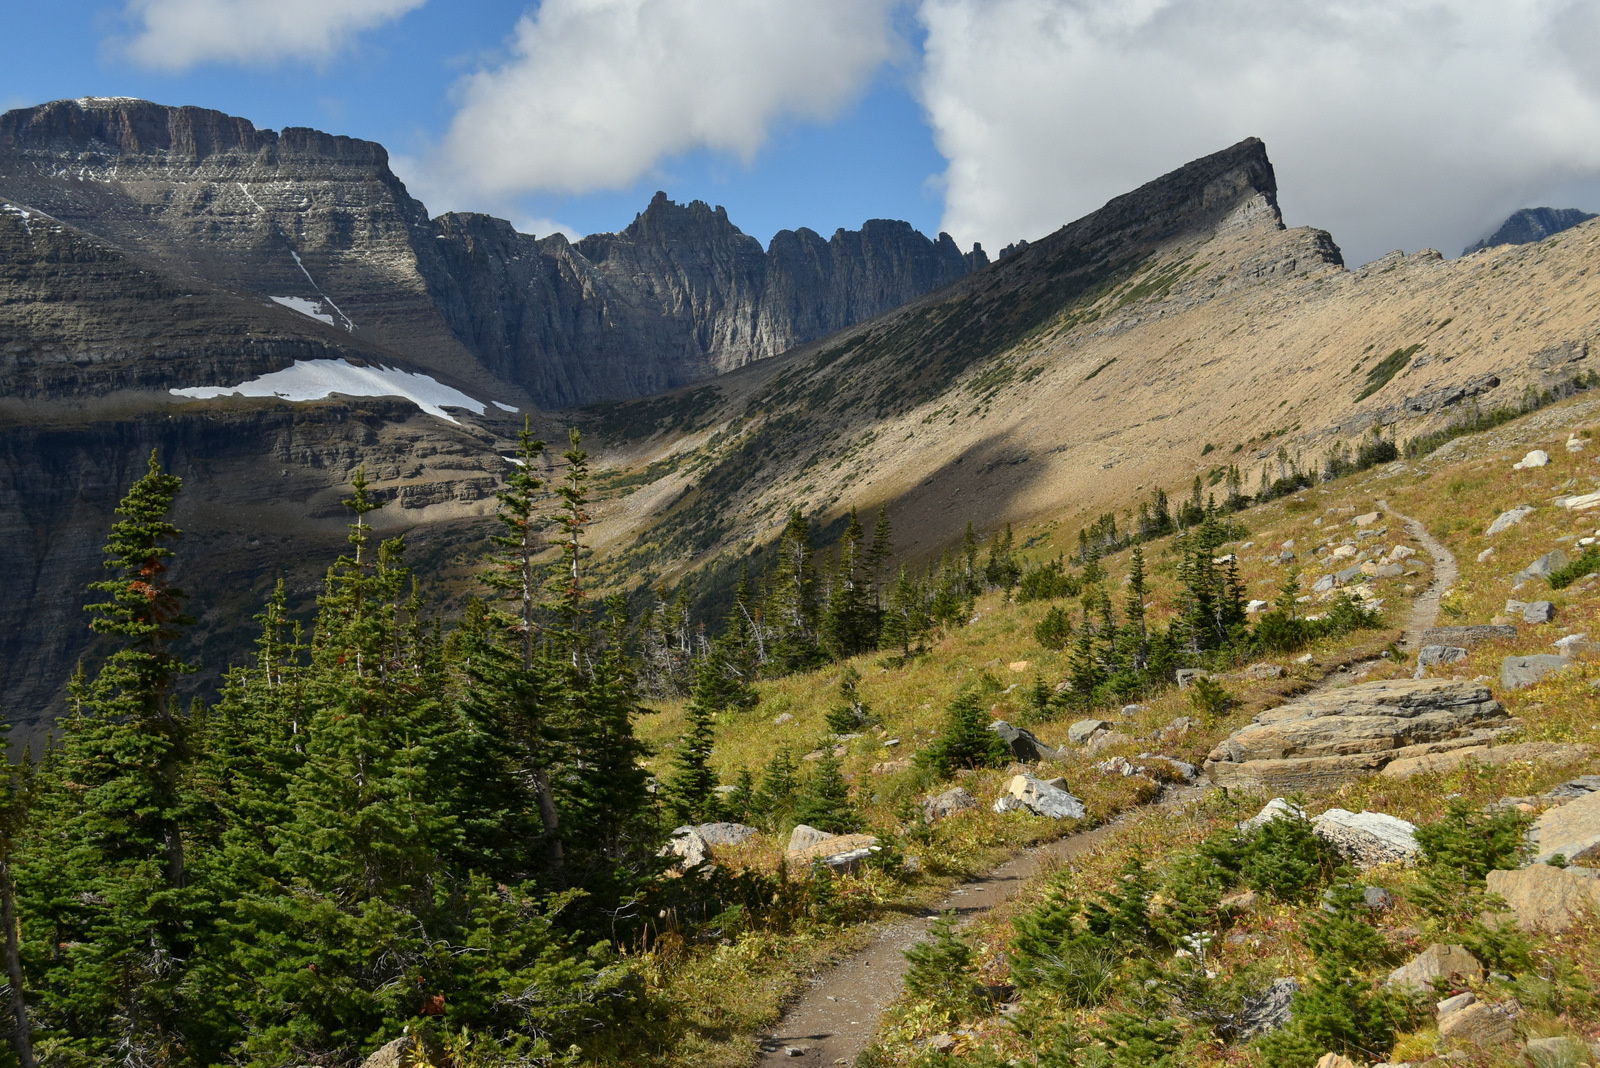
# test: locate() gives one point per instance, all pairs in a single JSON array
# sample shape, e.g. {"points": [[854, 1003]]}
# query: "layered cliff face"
{"points": [[321, 225]]}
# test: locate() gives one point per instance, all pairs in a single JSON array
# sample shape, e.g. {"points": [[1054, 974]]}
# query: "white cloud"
{"points": [[175, 35], [597, 92], [1392, 123]]}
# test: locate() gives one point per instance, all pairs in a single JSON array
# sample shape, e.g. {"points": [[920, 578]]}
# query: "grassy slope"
{"points": [[1456, 494]]}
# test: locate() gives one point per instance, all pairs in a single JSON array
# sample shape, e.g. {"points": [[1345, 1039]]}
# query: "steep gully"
{"points": [[837, 1016]]}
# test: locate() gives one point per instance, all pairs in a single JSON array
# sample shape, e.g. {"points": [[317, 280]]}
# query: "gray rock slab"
{"points": [[1539, 612], [1469, 635], [1438, 961], [804, 837], [1040, 798], [1518, 672], [1080, 732], [1271, 1009], [724, 834], [1022, 743], [1571, 830], [1331, 737], [1542, 898], [1509, 518], [1367, 838], [948, 804], [1554, 560], [1430, 655]]}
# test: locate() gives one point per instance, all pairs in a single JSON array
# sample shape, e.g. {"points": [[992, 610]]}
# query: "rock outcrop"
{"points": [[1332, 737], [320, 223], [1528, 225], [1545, 898]]}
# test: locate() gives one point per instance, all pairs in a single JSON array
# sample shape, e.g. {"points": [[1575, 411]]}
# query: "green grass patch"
{"points": [[1385, 369]]}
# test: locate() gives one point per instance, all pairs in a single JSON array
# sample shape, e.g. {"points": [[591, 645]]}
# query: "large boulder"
{"points": [[1329, 738], [1023, 745], [1491, 756], [1276, 809], [1438, 961], [1542, 898], [1554, 560], [947, 804], [1367, 838], [1430, 655], [1469, 635], [686, 844], [1571, 830], [1024, 792], [1520, 672]]}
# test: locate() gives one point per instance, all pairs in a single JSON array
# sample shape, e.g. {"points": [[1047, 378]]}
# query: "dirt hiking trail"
{"points": [[837, 1016]]}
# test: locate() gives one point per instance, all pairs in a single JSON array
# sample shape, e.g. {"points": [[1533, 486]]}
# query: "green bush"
{"points": [[1047, 582], [1282, 857], [1458, 851], [1586, 564], [1054, 631], [944, 972], [1053, 951]]}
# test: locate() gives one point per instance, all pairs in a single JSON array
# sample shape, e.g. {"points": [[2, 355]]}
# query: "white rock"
{"points": [[1277, 808], [1485, 554], [803, 837], [1041, 798], [1536, 458], [1581, 504], [1368, 838], [1509, 518]]}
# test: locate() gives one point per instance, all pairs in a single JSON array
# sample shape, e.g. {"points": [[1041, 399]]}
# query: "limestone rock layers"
{"points": [[322, 221]]}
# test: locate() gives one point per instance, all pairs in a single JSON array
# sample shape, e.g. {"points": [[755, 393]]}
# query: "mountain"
{"points": [[147, 249], [1529, 225], [1178, 331], [320, 224]]}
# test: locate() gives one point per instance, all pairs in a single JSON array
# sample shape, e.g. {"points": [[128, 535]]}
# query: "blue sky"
{"points": [[1392, 123], [875, 159]]}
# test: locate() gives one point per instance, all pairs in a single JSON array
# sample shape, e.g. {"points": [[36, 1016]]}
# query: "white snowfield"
{"points": [[305, 306], [310, 380]]}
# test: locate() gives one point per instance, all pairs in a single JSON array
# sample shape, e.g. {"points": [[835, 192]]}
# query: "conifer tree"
{"points": [[776, 794], [691, 790], [824, 801], [905, 620], [791, 612], [849, 623], [112, 876], [877, 555], [572, 517], [16, 787], [966, 740]]}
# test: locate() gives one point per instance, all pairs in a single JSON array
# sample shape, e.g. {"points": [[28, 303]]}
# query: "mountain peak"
{"points": [[1528, 225]]}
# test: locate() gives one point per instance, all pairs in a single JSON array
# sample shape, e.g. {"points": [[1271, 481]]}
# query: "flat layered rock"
{"points": [[1333, 737], [1367, 838], [1542, 898], [1492, 756], [1438, 961], [1571, 830], [1469, 636]]}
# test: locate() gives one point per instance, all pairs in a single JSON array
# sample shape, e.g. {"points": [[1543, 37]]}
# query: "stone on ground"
{"points": [[1080, 732], [408, 1051], [842, 852], [1329, 738], [1538, 612], [1542, 898], [1509, 518], [1430, 655], [1536, 458], [804, 837], [1519, 672], [1558, 1051], [1493, 756], [1470, 635], [1335, 1060], [1438, 961], [1277, 808], [1040, 798], [1022, 743], [1571, 830], [1271, 1009], [724, 834], [1554, 560], [686, 844], [948, 804], [1367, 838], [1478, 1024]]}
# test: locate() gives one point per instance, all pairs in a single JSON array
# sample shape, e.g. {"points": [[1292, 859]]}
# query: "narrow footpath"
{"points": [[838, 1015]]}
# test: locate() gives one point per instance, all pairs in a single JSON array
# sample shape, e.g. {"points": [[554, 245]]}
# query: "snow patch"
{"points": [[310, 380], [304, 306], [504, 407], [12, 209], [348, 325]]}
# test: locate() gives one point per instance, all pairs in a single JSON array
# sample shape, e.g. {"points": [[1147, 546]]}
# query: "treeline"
{"points": [[381, 825]]}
